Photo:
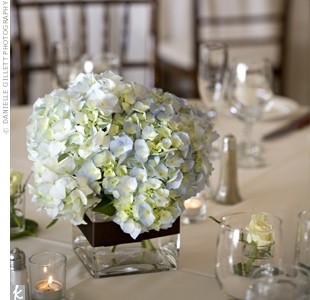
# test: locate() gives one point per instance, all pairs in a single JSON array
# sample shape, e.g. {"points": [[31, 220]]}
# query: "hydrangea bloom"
{"points": [[130, 152]]}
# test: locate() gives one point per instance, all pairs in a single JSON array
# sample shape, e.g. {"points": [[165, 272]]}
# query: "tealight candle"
{"points": [[47, 272], [195, 210], [48, 289], [193, 206]]}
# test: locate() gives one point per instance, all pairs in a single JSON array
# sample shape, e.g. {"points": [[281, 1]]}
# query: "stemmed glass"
{"points": [[249, 91], [65, 62], [212, 70], [212, 67], [246, 241]]}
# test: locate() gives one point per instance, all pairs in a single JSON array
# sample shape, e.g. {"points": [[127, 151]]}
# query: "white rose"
{"points": [[15, 181], [259, 231]]}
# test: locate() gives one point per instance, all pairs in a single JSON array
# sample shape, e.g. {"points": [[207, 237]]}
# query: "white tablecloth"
{"points": [[281, 188]]}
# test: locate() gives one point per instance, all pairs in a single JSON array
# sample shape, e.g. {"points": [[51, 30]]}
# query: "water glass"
{"points": [[246, 241], [302, 247], [289, 282]]}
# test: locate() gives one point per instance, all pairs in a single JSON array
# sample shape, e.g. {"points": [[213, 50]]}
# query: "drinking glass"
{"points": [[65, 63], [100, 62], [249, 91], [212, 67], [246, 241], [302, 247], [47, 276], [289, 282], [212, 71]]}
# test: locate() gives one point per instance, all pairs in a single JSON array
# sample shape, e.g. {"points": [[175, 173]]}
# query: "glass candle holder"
{"points": [[195, 210], [47, 275]]}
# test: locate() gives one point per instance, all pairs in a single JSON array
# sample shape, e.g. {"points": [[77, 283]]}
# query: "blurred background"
{"points": [[166, 33]]}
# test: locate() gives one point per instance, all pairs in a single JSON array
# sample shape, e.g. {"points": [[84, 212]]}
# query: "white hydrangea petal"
{"points": [[121, 145], [145, 214], [148, 133], [139, 173], [90, 171], [126, 185], [120, 217], [58, 191], [142, 151], [131, 227], [175, 181]]}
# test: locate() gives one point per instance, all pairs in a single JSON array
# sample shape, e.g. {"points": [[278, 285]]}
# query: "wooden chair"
{"points": [[249, 27], [105, 25]]}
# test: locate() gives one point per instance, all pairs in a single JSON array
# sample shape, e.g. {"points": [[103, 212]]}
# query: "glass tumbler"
{"points": [[47, 275], [302, 247], [246, 241], [289, 282]]}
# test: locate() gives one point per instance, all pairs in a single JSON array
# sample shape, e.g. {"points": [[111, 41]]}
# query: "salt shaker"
{"points": [[227, 191], [18, 272]]}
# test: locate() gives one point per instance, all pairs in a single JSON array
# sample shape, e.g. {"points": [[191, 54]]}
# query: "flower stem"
{"points": [[148, 245]]}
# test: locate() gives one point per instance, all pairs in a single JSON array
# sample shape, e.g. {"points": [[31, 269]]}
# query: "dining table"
{"points": [[281, 187]]}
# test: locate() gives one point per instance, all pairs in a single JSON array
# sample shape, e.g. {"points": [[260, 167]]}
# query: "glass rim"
{"points": [[216, 43], [225, 218], [63, 258], [304, 212]]}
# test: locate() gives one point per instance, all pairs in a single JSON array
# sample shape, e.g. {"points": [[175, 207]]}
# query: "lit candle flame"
{"points": [[50, 280], [192, 203], [88, 66], [44, 269]]}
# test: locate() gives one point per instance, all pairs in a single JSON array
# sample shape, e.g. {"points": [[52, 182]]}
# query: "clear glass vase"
{"points": [[17, 214], [106, 250]]}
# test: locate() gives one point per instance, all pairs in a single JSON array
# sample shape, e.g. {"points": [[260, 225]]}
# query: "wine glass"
{"points": [[65, 62], [245, 242], [212, 67], [100, 62], [249, 91]]}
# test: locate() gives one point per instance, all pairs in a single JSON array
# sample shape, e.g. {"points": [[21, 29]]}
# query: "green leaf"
{"points": [[215, 220], [238, 269], [31, 228], [106, 206], [62, 156], [52, 223]]}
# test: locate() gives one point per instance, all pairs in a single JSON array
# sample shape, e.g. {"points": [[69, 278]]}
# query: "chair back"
{"points": [[250, 28], [123, 27]]}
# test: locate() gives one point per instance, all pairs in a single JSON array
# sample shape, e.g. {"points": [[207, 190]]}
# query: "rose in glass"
{"points": [[259, 231], [15, 182]]}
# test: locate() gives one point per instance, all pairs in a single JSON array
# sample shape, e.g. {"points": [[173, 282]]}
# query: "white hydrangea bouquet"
{"points": [[118, 148]]}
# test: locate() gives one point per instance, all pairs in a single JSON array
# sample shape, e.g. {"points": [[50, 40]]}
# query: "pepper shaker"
{"points": [[18, 272], [227, 191]]}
